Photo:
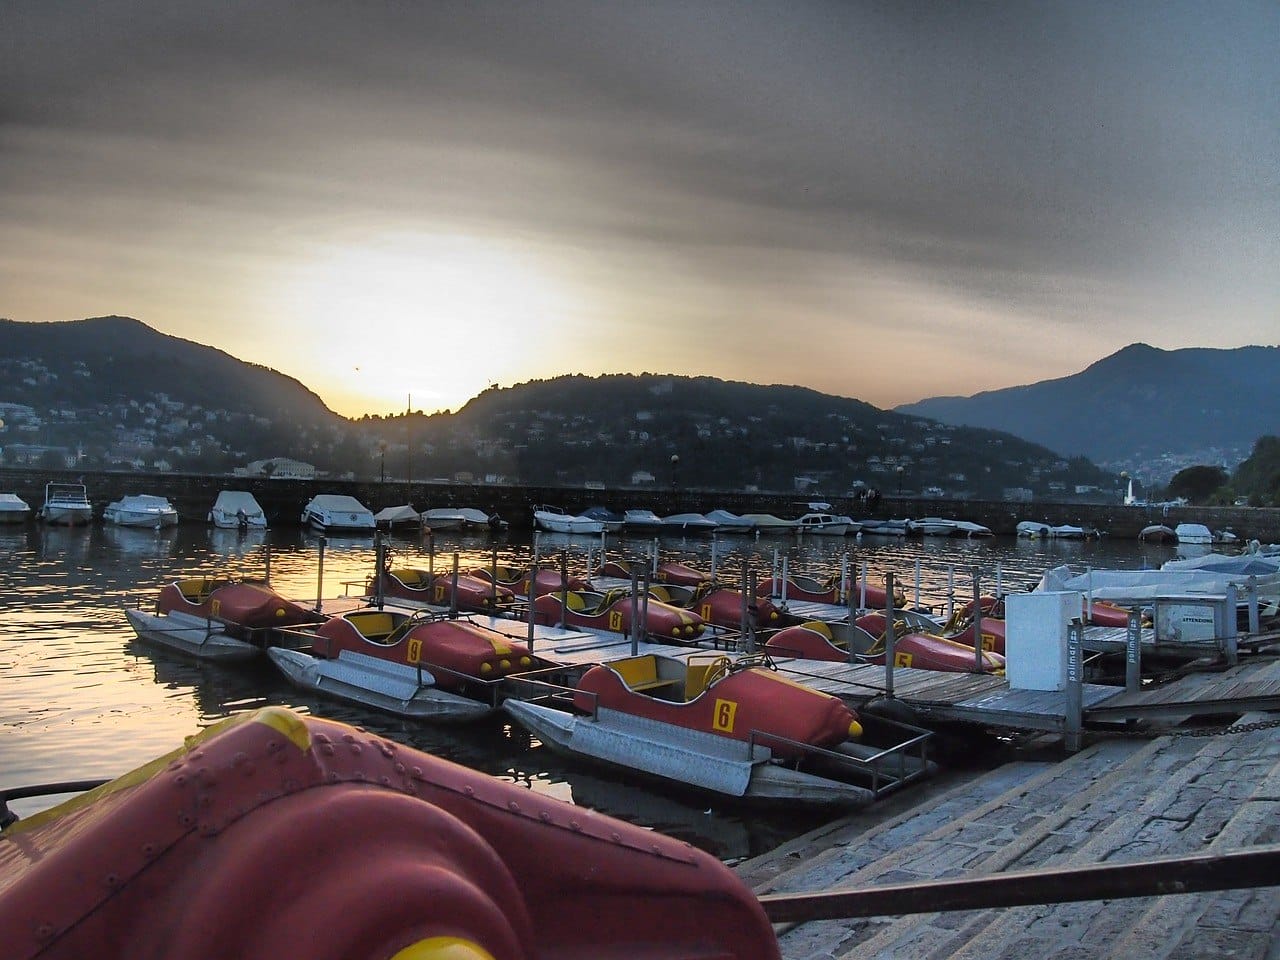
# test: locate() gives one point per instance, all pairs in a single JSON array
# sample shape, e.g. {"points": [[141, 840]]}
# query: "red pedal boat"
{"points": [[475, 593], [272, 835], [545, 580], [612, 613], [913, 647], [736, 729], [425, 667], [825, 591], [667, 571]]}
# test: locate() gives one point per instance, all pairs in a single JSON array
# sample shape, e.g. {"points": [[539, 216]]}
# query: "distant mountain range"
{"points": [[1197, 404], [112, 392]]}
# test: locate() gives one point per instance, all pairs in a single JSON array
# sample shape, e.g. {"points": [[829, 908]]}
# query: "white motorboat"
{"points": [[967, 528], [688, 523], [13, 509], [399, 516], [611, 519], [332, 512], [141, 510], [727, 522], [1193, 533], [641, 521], [237, 510], [933, 527], [66, 503], [555, 520], [444, 518], [826, 524], [886, 528], [768, 523]]}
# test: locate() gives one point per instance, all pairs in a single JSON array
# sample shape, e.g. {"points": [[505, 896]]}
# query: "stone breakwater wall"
{"points": [[283, 500]]}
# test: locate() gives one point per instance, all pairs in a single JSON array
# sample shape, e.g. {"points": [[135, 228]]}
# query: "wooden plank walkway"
{"points": [[1252, 685]]}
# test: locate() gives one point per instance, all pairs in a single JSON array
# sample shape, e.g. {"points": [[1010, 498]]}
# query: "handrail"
{"points": [[1255, 867]]}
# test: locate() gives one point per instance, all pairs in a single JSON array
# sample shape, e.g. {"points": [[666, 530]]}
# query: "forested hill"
{"points": [[105, 360]]}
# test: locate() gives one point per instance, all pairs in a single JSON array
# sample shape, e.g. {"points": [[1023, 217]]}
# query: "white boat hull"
{"points": [[141, 518], [724, 766], [194, 636], [372, 682]]}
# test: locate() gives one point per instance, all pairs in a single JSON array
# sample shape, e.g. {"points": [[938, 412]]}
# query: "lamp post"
{"points": [[675, 467], [382, 462]]}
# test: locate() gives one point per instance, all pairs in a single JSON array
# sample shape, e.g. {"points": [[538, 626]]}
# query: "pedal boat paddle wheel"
{"points": [[914, 646], [474, 593], [272, 835], [737, 729], [615, 612], [415, 665], [217, 619]]}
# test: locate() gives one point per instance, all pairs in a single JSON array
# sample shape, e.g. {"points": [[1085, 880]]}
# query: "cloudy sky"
{"points": [[887, 200]]}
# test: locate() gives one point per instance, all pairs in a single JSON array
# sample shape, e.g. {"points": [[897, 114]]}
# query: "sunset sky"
{"points": [[887, 200]]}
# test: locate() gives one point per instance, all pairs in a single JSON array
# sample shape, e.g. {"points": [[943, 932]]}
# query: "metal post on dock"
{"points": [[845, 592], [750, 592], [1255, 625], [851, 599], [635, 610], [266, 573], [1133, 652], [890, 641], [431, 557], [977, 620], [493, 577], [745, 605], [713, 557], [453, 593], [1088, 595], [785, 577], [320, 575], [564, 589], [379, 558], [999, 581], [1230, 641], [862, 587], [951, 591], [529, 599], [917, 583], [644, 606], [1073, 722]]}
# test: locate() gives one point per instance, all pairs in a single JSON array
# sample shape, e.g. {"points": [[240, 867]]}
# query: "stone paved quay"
{"points": [[1119, 800]]}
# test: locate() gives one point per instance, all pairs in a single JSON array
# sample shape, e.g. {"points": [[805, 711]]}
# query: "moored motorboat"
{"points": [[209, 852], [768, 523], [67, 504], [641, 521], [932, 527], [337, 513], [885, 528], [401, 515], [1193, 533], [1157, 533], [736, 729], [13, 509], [413, 665], [237, 510], [687, 523], [555, 520], [611, 519], [727, 522], [826, 524], [141, 510]]}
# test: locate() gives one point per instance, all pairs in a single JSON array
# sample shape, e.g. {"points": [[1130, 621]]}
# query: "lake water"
{"points": [[80, 698]]}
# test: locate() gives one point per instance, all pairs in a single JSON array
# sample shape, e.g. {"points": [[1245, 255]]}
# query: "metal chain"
{"points": [[1190, 732]]}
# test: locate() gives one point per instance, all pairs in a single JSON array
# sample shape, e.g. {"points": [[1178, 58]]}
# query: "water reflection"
{"points": [[81, 698]]}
